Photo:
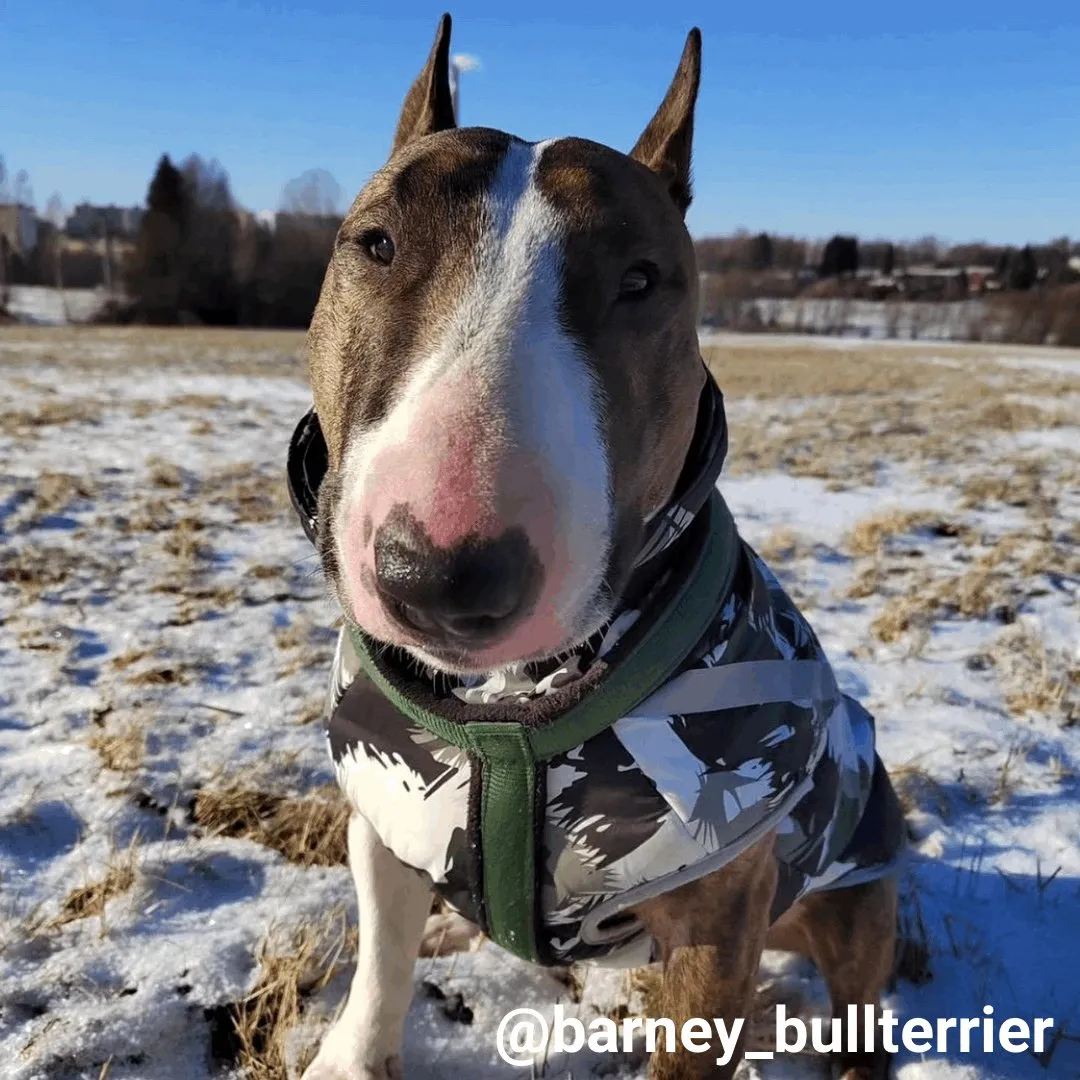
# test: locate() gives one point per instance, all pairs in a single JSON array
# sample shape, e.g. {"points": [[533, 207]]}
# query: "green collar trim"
{"points": [[509, 755], [654, 660]]}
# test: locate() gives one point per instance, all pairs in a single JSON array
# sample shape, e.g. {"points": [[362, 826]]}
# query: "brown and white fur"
{"points": [[505, 366]]}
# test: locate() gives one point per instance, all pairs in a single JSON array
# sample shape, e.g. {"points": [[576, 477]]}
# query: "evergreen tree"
{"points": [[158, 270]]}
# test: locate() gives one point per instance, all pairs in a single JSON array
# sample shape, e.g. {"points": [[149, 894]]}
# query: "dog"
{"points": [[568, 697]]}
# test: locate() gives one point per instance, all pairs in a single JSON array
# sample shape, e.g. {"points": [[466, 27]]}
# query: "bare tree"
{"points": [[314, 193], [24, 193], [5, 288], [56, 215]]}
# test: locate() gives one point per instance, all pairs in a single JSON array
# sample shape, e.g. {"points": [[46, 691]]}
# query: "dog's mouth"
{"points": [[479, 659], [485, 649]]}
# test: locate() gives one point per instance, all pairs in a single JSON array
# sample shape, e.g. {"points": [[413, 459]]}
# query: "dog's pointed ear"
{"points": [[429, 106], [665, 145]]}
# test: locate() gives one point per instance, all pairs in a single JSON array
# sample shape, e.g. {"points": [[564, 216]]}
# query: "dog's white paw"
{"points": [[448, 932], [325, 1068]]}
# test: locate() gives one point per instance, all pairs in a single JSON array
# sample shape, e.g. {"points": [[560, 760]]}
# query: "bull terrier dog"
{"points": [[567, 696]]}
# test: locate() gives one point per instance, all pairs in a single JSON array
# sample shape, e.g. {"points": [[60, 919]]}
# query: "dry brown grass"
{"points": [[978, 593], [87, 901], [168, 675], [1033, 678], [872, 534], [1022, 485], [866, 582], [121, 748], [784, 370], [781, 545], [184, 542], [291, 967], [1011, 415], [294, 636], [37, 569], [309, 830], [840, 414], [918, 790], [164, 474], [148, 515], [188, 349], [252, 497], [312, 710], [50, 414], [53, 493], [993, 584], [262, 571], [198, 401]]}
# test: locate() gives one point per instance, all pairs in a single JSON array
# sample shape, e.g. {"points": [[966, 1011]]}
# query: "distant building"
{"points": [[19, 227], [87, 221], [981, 278], [932, 282]]}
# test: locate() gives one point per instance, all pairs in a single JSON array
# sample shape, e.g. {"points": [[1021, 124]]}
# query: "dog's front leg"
{"points": [[711, 934], [393, 902]]}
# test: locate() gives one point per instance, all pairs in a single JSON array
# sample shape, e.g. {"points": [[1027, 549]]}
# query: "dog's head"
{"points": [[505, 366]]}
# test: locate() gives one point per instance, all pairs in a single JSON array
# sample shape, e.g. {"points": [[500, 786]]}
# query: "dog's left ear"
{"points": [[665, 144], [429, 106]]}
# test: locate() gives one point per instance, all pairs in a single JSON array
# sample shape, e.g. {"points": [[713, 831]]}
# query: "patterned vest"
{"points": [[545, 821]]}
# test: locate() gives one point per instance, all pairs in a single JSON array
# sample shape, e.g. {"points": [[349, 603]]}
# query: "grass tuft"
{"points": [[308, 830]]}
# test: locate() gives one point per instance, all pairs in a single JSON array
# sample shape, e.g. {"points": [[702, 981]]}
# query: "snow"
{"points": [[238, 635], [54, 307]]}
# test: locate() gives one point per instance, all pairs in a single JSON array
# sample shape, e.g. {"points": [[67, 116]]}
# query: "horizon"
{"points": [[961, 124]]}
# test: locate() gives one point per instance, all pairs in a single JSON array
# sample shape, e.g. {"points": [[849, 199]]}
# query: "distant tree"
{"points": [[23, 193], [888, 260], [760, 254], [926, 249], [56, 215], [208, 289], [841, 256], [5, 274], [789, 253], [157, 270], [1018, 270], [874, 254], [1025, 271], [314, 193]]}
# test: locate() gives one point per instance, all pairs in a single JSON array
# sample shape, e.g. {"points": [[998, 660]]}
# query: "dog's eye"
{"points": [[638, 281], [378, 247]]}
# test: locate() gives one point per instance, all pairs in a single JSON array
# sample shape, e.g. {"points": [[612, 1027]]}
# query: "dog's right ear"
{"points": [[429, 106], [665, 144]]}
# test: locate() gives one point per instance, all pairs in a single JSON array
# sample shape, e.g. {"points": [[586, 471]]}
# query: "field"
{"points": [[173, 904]]}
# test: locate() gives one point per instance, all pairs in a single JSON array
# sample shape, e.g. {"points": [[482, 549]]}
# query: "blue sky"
{"points": [[956, 118]]}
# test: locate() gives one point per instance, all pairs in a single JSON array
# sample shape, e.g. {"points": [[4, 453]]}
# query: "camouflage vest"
{"points": [[704, 721]]}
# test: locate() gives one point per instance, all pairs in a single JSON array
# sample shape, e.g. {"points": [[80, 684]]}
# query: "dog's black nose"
{"points": [[466, 595]]}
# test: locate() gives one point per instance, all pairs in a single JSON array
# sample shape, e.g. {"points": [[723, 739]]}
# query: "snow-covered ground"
{"points": [[165, 640], [42, 306], [920, 320]]}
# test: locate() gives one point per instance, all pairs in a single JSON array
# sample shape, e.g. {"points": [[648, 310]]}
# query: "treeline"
{"points": [[757, 253], [199, 258]]}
